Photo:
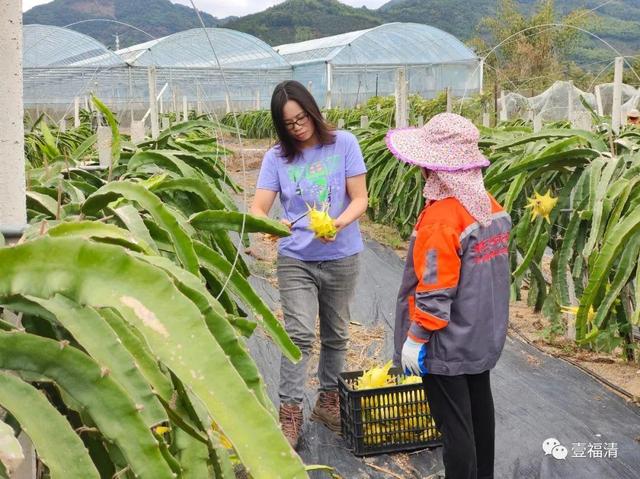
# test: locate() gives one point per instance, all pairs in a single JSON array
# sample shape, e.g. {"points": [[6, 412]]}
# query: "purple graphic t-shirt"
{"points": [[317, 177]]}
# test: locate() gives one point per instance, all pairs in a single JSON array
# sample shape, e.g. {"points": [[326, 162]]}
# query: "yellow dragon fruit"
{"points": [[321, 223], [541, 205]]}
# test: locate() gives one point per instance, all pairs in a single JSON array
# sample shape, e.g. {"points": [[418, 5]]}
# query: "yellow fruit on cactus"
{"points": [[574, 310], [321, 223], [542, 205]]}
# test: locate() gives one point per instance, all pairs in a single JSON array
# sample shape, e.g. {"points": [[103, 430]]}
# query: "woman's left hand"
{"points": [[338, 224]]}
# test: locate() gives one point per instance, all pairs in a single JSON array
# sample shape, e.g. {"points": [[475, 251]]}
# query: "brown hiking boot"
{"points": [[291, 422], [327, 410]]}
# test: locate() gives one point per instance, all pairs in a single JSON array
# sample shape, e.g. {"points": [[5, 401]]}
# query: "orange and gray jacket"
{"points": [[455, 289]]}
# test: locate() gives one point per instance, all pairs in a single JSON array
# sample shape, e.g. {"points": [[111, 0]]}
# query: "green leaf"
{"points": [[611, 247], [103, 275], [88, 384], [132, 220], [42, 203], [234, 221], [150, 202], [104, 231], [58, 447], [106, 348], [209, 195], [241, 288], [161, 158]]}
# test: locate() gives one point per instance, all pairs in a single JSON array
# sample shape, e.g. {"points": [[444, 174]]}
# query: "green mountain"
{"points": [[299, 20], [453, 16], [158, 18], [618, 22]]}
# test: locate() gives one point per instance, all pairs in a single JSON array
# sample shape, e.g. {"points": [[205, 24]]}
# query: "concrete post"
{"points": [[504, 116], [599, 107], [185, 109], [76, 112], [153, 103], [402, 116], [617, 94], [105, 140], [328, 100], [13, 209], [137, 131]]}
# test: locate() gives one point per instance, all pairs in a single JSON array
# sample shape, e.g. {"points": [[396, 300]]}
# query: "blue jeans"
{"points": [[308, 290]]}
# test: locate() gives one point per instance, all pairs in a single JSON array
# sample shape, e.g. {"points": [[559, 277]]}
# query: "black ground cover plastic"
{"points": [[536, 397]]}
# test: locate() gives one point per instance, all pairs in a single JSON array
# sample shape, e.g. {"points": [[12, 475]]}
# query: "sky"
{"points": [[225, 8]]}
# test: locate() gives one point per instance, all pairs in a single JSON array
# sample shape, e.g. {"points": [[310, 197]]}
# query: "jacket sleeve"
{"points": [[436, 259]]}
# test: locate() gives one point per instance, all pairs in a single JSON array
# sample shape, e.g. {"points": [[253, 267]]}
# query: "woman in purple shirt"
{"points": [[317, 166]]}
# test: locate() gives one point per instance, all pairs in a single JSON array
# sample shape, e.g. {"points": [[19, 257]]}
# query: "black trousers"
{"points": [[462, 407]]}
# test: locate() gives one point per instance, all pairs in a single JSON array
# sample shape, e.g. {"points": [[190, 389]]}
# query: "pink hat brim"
{"points": [[407, 144]]}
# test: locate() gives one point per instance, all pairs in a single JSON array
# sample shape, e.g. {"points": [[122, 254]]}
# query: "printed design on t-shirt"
{"points": [[313, 181]]}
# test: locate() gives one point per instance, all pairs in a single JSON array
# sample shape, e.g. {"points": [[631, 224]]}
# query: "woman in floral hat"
{"points": [[453, 305]]}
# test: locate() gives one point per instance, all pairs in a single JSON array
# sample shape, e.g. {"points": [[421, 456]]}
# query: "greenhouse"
{"points": [[357, 65], [61, 65], [219, 70]]}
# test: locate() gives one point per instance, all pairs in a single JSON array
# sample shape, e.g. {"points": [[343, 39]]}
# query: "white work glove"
{"points": [[413, 358]]}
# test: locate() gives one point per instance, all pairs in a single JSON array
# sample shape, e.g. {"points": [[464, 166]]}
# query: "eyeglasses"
{"points": [[299, 120]]}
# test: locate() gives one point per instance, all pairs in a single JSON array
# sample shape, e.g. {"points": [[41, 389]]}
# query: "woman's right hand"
{"points": [[275, 238]]}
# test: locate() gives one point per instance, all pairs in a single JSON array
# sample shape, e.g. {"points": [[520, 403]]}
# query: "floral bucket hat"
{"points": [[448, 142]]}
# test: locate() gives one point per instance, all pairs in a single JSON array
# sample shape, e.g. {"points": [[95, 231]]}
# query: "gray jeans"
{"points": [[311, 289]]}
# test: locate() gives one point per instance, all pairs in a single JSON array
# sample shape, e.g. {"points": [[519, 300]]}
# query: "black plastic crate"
{"points": [[390, 419]]}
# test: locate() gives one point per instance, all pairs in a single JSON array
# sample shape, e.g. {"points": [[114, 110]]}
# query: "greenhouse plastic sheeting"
{"points": [[49, 46], [193, 48], [61, 64], [364, 63], [536, 397]]}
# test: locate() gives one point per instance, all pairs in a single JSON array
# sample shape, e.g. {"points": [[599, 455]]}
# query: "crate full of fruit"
{"points": [[384, 411]]}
